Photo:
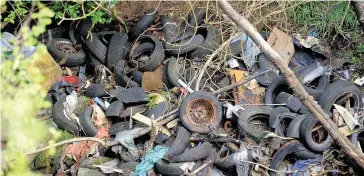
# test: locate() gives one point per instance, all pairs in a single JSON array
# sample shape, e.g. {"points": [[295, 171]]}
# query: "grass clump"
{"points": [[327, 17]]}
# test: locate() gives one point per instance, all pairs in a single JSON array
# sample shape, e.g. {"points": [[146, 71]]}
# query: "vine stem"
{"points": [[68, 142]]}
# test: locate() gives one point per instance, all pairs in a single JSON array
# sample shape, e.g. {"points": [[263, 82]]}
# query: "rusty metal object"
{"points": [[227, 124], [200, 111], [235, 90], [66, 47]]}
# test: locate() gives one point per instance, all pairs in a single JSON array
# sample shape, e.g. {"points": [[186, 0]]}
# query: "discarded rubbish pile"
{"points": [[136, 90]]}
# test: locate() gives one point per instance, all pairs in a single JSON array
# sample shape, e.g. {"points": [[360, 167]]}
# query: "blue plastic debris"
{"points": [[148, 162]]}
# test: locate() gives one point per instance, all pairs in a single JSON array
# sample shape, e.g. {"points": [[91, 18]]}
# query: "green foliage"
{"points": [[43, 160], [154, 99], [358, 54], [325, 15], [18, 10], [23, 96], [360, 49], [65, 136], [80, 9]]}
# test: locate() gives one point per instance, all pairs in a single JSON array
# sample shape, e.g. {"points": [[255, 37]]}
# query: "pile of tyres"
{"points": [[126, 56], [129, 55]]}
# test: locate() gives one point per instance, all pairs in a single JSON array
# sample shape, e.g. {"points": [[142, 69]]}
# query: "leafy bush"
{"points": [[22, 97], [79, 9], [19, 9], [64, 9]]}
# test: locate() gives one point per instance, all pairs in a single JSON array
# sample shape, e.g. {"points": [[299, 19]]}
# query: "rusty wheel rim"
{"points": [[66, 47], [201, 112]]}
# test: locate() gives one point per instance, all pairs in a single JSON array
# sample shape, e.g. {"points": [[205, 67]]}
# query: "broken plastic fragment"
{"points": [[231, 109], [100, 103], [184, 85], [126, 139], [251, 50], [347, 116], [109, 167], [360, 81], [186, 167], [315, 73], [233, 63]]}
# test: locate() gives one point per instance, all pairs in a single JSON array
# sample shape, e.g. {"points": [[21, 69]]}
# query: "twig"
{"points": [[325, 172], [209, 60], [261, 165], [68, 142], [341, 23], [237, 84], [166, 115], [61, 161], [196, 171], [226, 139], [27, 19], [148, 129]]}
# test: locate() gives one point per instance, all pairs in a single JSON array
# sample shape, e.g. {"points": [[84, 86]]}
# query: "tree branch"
{"points": [[359, 9], [293, 82], [68, 142]]}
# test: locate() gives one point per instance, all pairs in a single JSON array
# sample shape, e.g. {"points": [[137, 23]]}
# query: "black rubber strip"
{"points": [[114, 109], [96, 90], [86, 122], [116, 51], [193, 154], [132, 95], [142, 24], [179, 144]]}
